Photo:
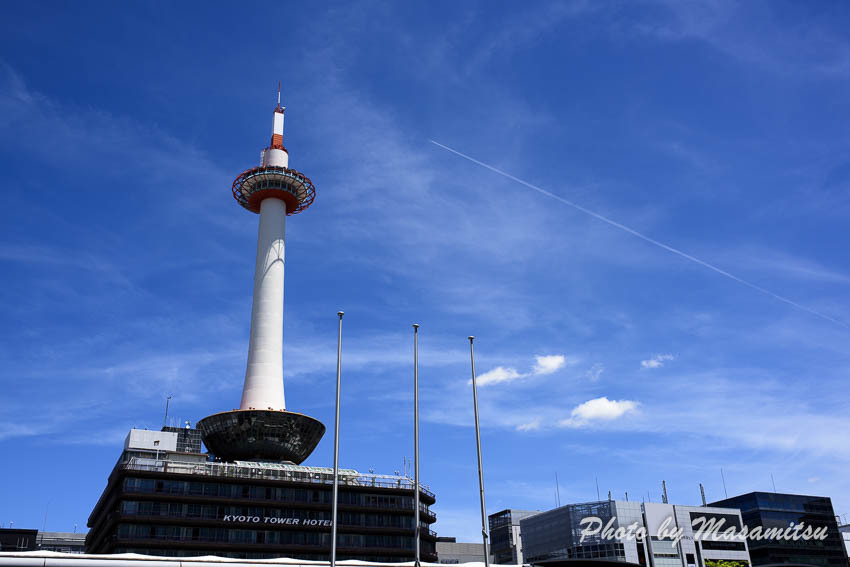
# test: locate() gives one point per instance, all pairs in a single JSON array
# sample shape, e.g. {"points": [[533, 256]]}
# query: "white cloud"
{"points": [[499, 374], [546, 364], [532, 425], [549, 364], [595, 372], [656, 361], [598, 409]]}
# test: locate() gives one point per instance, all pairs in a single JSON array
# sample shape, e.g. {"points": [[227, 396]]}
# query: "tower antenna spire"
{"points": [[278, 94]]}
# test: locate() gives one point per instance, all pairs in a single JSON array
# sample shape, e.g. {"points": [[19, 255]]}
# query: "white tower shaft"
{"points": [[264, 375]]}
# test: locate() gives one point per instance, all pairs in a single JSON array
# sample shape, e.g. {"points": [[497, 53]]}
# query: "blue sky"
{"points": [[714, 128]]}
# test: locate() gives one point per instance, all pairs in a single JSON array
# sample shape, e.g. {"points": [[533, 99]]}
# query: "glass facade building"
{"points": [[774, 510], [506, 537], [556, 535]]}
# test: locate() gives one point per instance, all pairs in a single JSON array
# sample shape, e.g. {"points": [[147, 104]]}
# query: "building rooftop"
{"points": [[266, 471], [192, 465]]}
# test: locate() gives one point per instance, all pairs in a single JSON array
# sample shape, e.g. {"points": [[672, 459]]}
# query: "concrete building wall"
{"points": [[452, 553], [151, 440], [691, 550]]}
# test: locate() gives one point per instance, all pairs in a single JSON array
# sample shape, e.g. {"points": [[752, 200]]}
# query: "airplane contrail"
{"points": [[633, 232]]}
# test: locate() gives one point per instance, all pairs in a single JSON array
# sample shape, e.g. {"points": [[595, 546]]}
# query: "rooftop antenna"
{"points": [[46, 509], [609, 496], [722, 476], [557, 491], [278, 94], [478, 444], [598, 499], [165, 421], [773, 482], [664, 492], [702, 493], [627, 496]]}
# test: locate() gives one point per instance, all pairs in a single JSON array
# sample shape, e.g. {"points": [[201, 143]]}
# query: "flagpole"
{"points": [[480, 467], [336, 443], [416, 439]]}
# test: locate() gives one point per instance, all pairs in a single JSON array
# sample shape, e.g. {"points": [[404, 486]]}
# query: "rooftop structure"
{"points": [[262, 429], [188, 438], [16, 540], [63, 542], [252, 470]]}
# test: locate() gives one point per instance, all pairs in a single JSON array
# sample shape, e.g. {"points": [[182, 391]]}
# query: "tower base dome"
{"points": [[261, 435]]}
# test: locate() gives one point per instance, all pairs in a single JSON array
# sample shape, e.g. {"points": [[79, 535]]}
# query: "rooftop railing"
{"points": [[270, 471]]}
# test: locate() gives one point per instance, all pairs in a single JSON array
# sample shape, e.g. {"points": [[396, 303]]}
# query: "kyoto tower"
{"points": [[261, 429]]}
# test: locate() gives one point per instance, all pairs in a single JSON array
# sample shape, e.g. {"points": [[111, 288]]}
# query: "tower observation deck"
{"points": [[262, 429]]}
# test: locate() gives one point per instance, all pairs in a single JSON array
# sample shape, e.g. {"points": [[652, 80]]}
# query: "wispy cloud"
{"points": [[546, 364], [599, 409], [725, 27], [644, 237], [595, 372], [656, 361], [532, 425], [790, 266], [9, 430], [498, 375]]}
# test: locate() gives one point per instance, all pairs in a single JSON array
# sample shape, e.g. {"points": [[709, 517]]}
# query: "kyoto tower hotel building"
{"points": [[249, 496]]}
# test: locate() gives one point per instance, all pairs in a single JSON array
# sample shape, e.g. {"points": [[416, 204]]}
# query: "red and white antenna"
{"points": [[276, 154]]}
